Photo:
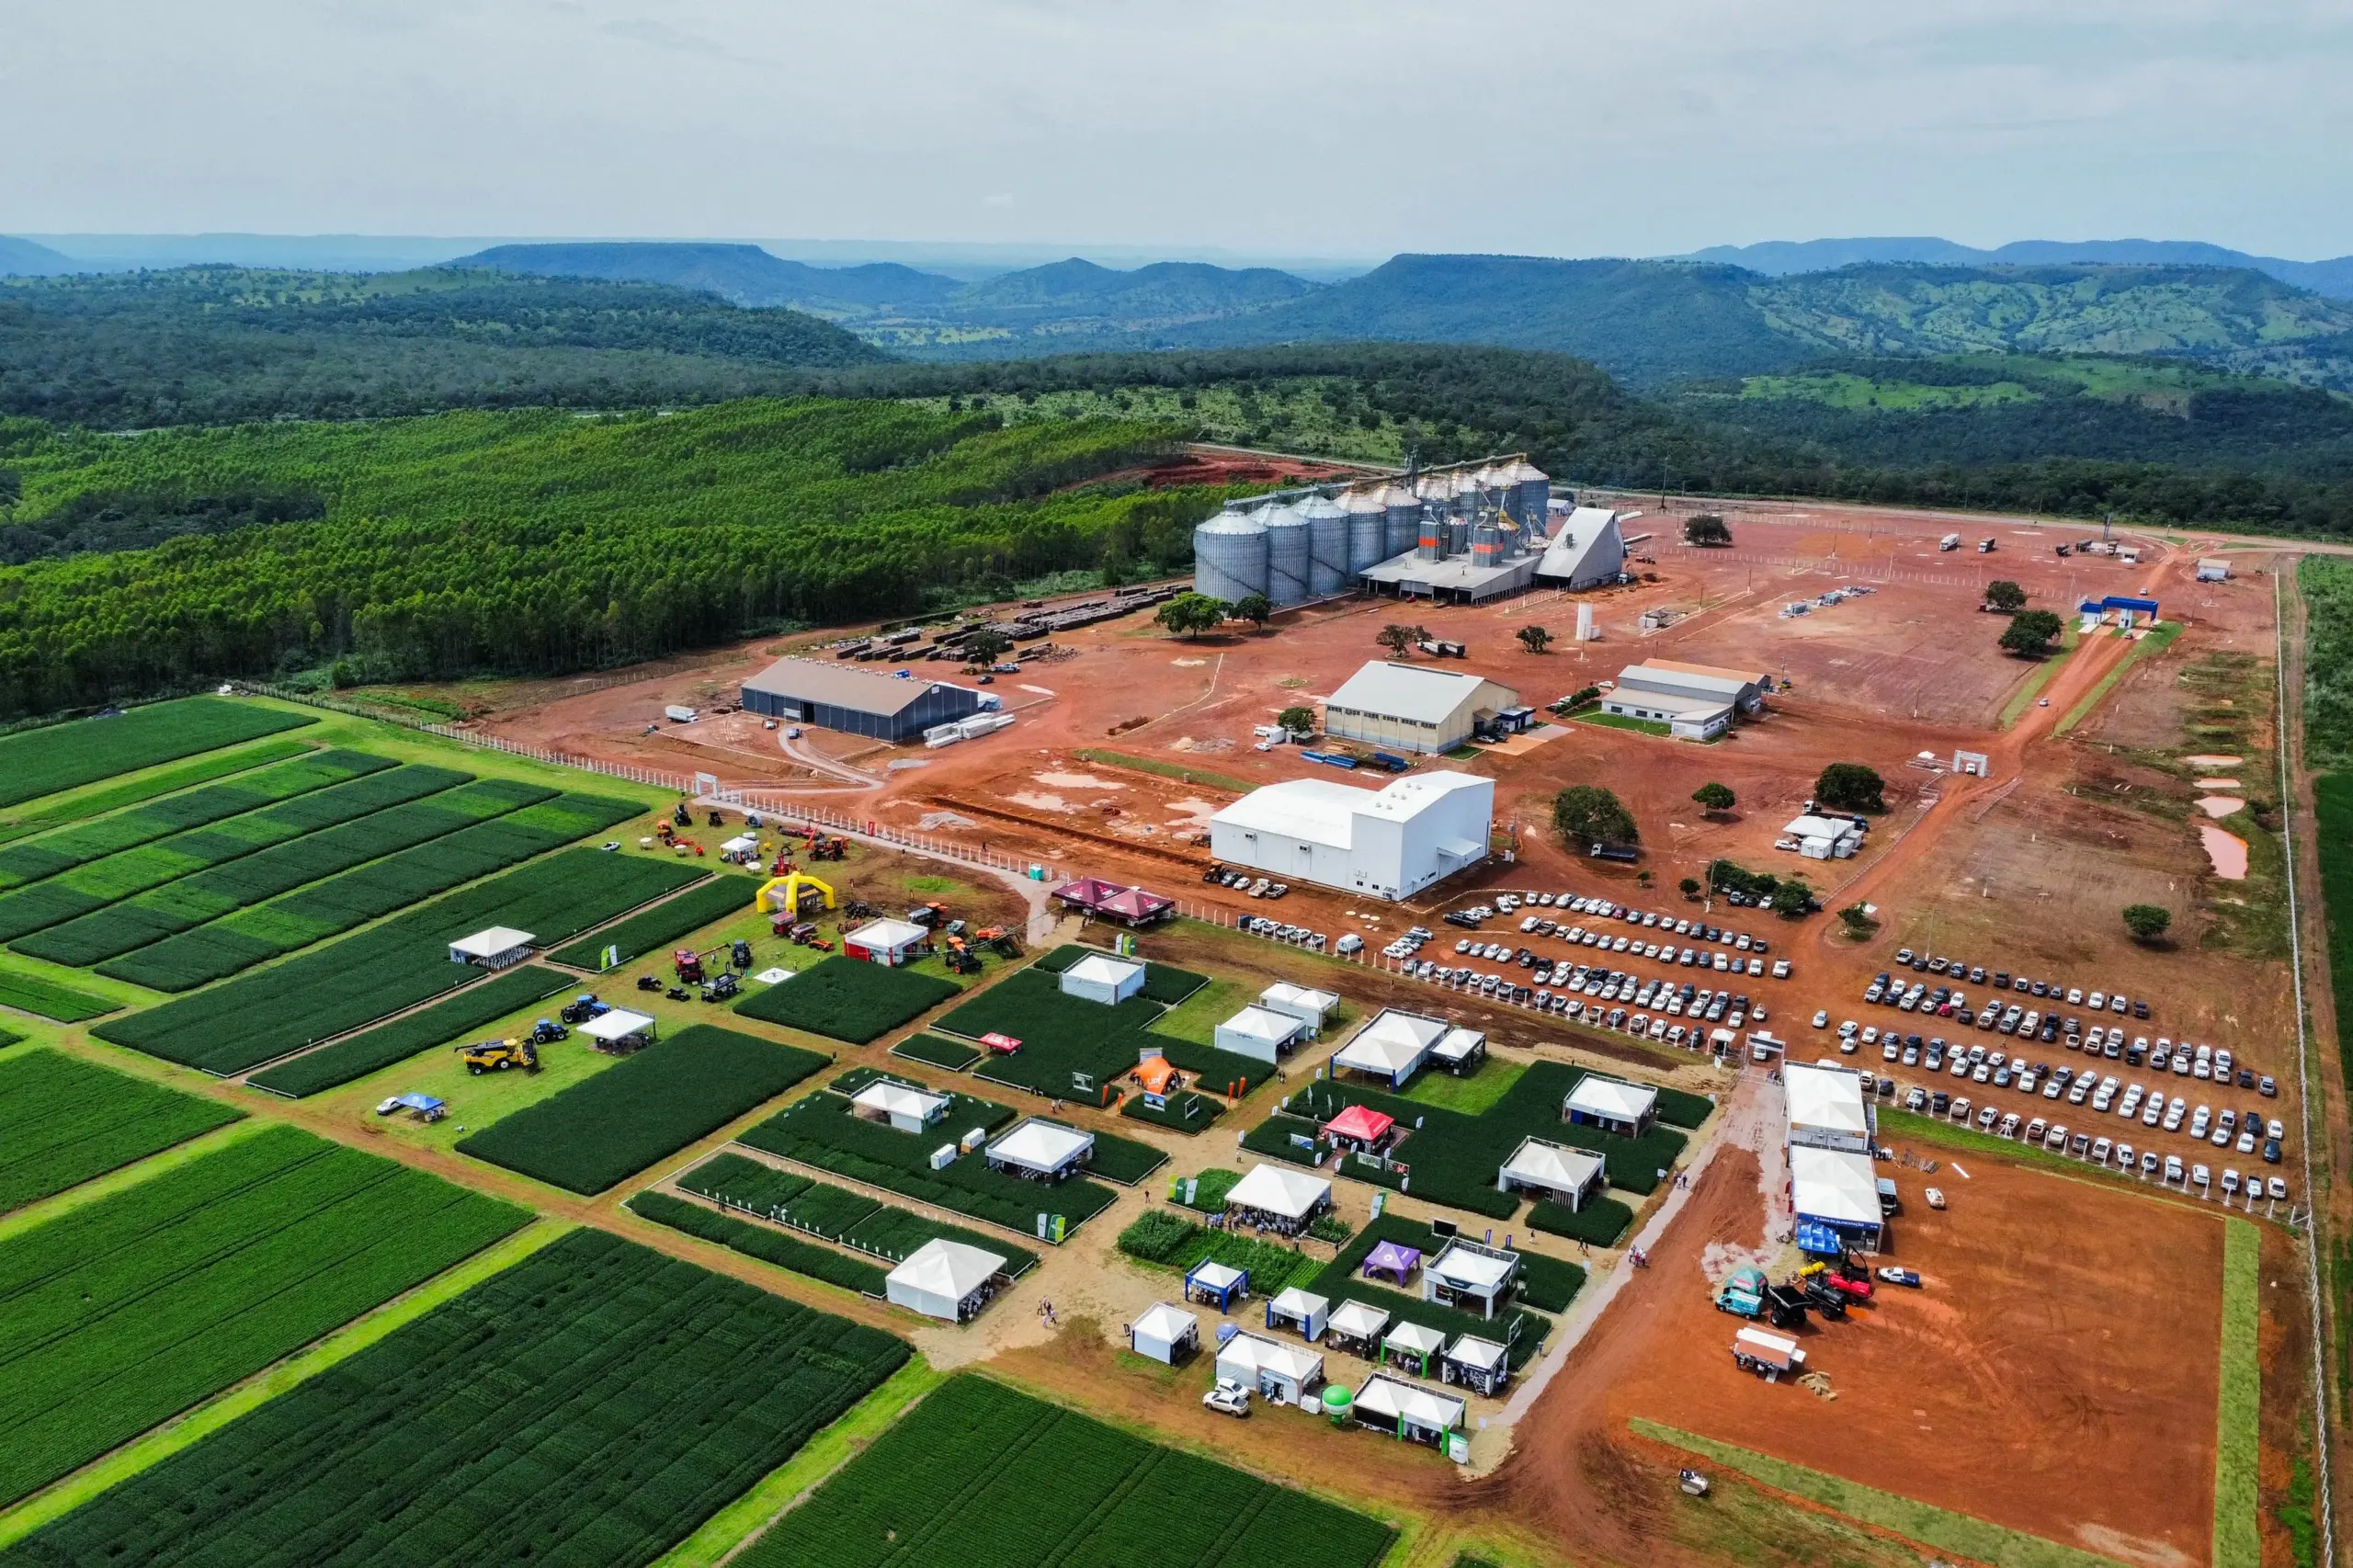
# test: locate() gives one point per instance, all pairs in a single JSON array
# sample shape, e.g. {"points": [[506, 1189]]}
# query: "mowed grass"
{"points": [[355, 1056], [64, 1121], [1975, 1538], [126, 1311], [2238, 1528]]}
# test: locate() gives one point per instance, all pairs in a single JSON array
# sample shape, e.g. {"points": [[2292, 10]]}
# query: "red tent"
{"points": [[1004, 1043], [1359, 1124], [1135, 906]]}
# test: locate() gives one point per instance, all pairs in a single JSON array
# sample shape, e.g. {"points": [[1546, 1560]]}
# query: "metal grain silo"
{"points": [[1464, 492], [1230, 557], [1429, 533], [1368, 529], [1530, 491], [1328, 545], [1287, 555], [1402, 529], [1486, 543]]}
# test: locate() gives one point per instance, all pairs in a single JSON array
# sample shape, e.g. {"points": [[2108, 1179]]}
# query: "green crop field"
{"points": [[147, 786], [954, 1055], [652, 931], [132, 1308], [1124, 1160], [822, 1131], [392, 966], [95, 839], [1163, 1237], [978, 1476], [45, 998], [272, 852], [654, 1103], [820, 1263], [587, 1408], [1184, 1112], [787, 1198], [846, 999], [357, 1055], [64, 1121], [339, 903], [1162, 983], [1060, 1035], [82, 751], [1601, 1220], [1523, 1331]]}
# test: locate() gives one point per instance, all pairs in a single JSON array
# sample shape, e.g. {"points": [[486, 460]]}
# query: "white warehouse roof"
{"points": [[1322, 811], [1298, 1000], [1421, 693], [1828, 1097], [1827, 1184], [1273, 1190], [1822, 828], [1357, 1320], [1612, 1098], [1264, 1024]]}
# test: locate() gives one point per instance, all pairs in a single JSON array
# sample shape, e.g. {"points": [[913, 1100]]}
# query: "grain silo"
{"points": [[1328, 545], [1529, 492], [1486, 543], [1230, 557], [1287, 555], [1402, 530], [1368, 529], [1464, 493], [1429, 535]]}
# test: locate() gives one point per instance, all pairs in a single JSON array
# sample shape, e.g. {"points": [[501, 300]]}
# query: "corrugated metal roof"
{"points": [[1418, 692], [806, 680]]}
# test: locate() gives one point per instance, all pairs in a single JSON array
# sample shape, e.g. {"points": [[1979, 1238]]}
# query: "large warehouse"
{"points": [[1589, 552], [1388, 843], [1413, 707], [860, 702]]}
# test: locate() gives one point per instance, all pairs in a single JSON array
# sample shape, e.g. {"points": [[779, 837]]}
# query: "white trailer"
{"points": [[1950, 541], [679, 715], [1770, 1356]]}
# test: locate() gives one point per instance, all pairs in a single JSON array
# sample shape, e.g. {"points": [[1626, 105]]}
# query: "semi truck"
{"points": [[1950, 541]]}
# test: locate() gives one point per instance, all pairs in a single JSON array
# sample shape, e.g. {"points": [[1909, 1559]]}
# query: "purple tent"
{"points": [[1388, 1257]]}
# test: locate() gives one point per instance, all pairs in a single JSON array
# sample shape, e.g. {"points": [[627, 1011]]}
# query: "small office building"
{"points": [[1687, 718], [857, 702]]}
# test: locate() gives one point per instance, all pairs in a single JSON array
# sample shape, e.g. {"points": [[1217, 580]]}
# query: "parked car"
{"points": [[1228, 1398]]}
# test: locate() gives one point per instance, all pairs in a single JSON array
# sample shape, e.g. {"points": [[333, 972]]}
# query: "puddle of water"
{"points": [[1077, 782], [2218, 783], [2219, 805], [2227, 850], [1199, 811], [2213, 761], [1036, 802]]}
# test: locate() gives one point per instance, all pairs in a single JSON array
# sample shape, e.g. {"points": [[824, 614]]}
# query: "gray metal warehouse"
{"points": [[802, 691]]}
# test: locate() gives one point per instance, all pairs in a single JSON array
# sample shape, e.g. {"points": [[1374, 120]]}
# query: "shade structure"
{"points": [[944, 1280], [1389, 1257], [1166, 1333], [1279, 1194], [1361, 1124]]}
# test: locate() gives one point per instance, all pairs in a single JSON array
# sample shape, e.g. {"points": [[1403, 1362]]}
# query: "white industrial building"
{"points": [[1589, 550], [1412, 708], [2213, 568], [1745, 690], [1824, 838], [1686, 718], [1827, 1109], [1099, 977], [1387, 843]]}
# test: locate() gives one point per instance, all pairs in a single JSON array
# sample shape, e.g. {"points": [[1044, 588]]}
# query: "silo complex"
{"points": [[1288, 555], [1401, 527], [1327, 546], [1368, 526], [1230, 557]]}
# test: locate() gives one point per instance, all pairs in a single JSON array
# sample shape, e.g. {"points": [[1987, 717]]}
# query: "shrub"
{"points": [[2147, 922], [1586, 814]]}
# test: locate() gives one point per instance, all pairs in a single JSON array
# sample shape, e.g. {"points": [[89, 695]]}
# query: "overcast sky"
{"points": [[1283, 127]]}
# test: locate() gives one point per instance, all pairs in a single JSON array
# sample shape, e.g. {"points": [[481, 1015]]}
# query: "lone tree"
{"points": [[1297, 718], [2005, 596], [1535, 639], [1715, 797], [1706, 528], [1858, 921], [2147, 922], [986, 646], [1253, 608], [1587, 813], [1688, 887], [1189, 615], [1396, 639], [2029, 632], [1850, 787]]}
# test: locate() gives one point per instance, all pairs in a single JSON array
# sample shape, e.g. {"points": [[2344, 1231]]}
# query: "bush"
{"points": [[2029, 632], [1706, 529], [2147, 922], [848, 999]]}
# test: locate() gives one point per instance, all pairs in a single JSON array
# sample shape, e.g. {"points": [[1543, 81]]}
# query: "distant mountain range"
{"points": [[1779, 258], [22, 258]]}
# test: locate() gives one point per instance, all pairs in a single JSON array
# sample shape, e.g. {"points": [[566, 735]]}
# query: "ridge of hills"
{"points": [[1776, 258]]}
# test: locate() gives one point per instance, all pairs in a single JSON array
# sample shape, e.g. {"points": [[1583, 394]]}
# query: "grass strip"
{"points": [[47, 999], [74, 1490], [1930, 1526], [2156, 642], [136, 791], [827, 1452], [2238, 1450], [1930, 1129], [1182, 772], [1592, 714]]}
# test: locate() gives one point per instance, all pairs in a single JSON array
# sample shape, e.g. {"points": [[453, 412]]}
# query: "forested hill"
{"points": [[209, 345], [743, 275], [545, 542]]}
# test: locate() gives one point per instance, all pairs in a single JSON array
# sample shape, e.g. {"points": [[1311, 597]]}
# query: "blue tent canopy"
{"points": [[1820, 1240]]}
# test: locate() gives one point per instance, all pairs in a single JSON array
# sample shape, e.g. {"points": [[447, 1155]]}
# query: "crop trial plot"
{"points": [[355, 1056], [395, 965], [846, 999], [978, 1476], [652, 931], [64, 1121], [45, 998], [127, 1309], [932, 1050], [787, 1198], [1065, 1039], [587, 1408], [615, 1124], [82, 751], [769, 1245], [151, 786], [821, 1130]]}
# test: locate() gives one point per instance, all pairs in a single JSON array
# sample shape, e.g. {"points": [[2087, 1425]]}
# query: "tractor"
{"points": [[961, 959], [687, 964], [716, 820], [680, 815], [998, 938], [740, 955], [581, 1008], [497, 1055], [823, 849], [1856, 1286], [664, 832], [547, 1031], [721, 986]]}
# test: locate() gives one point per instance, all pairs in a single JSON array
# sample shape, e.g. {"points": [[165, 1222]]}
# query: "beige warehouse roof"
{"points": [[837, 686], [1418, 693]]}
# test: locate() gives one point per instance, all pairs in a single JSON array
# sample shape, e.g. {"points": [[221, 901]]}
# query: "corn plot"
{"points": [[87, 841], [787, 1198], [64, 1121], [616, 1123], [391, 967], [361, 1054], [83, 751], [80, 910], [589, 1406], [663, 923], [337, 904], [121, 1312], [978, 1476]]}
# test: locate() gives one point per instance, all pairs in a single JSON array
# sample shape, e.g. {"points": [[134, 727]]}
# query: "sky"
{"points": [[1292, 128]]}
